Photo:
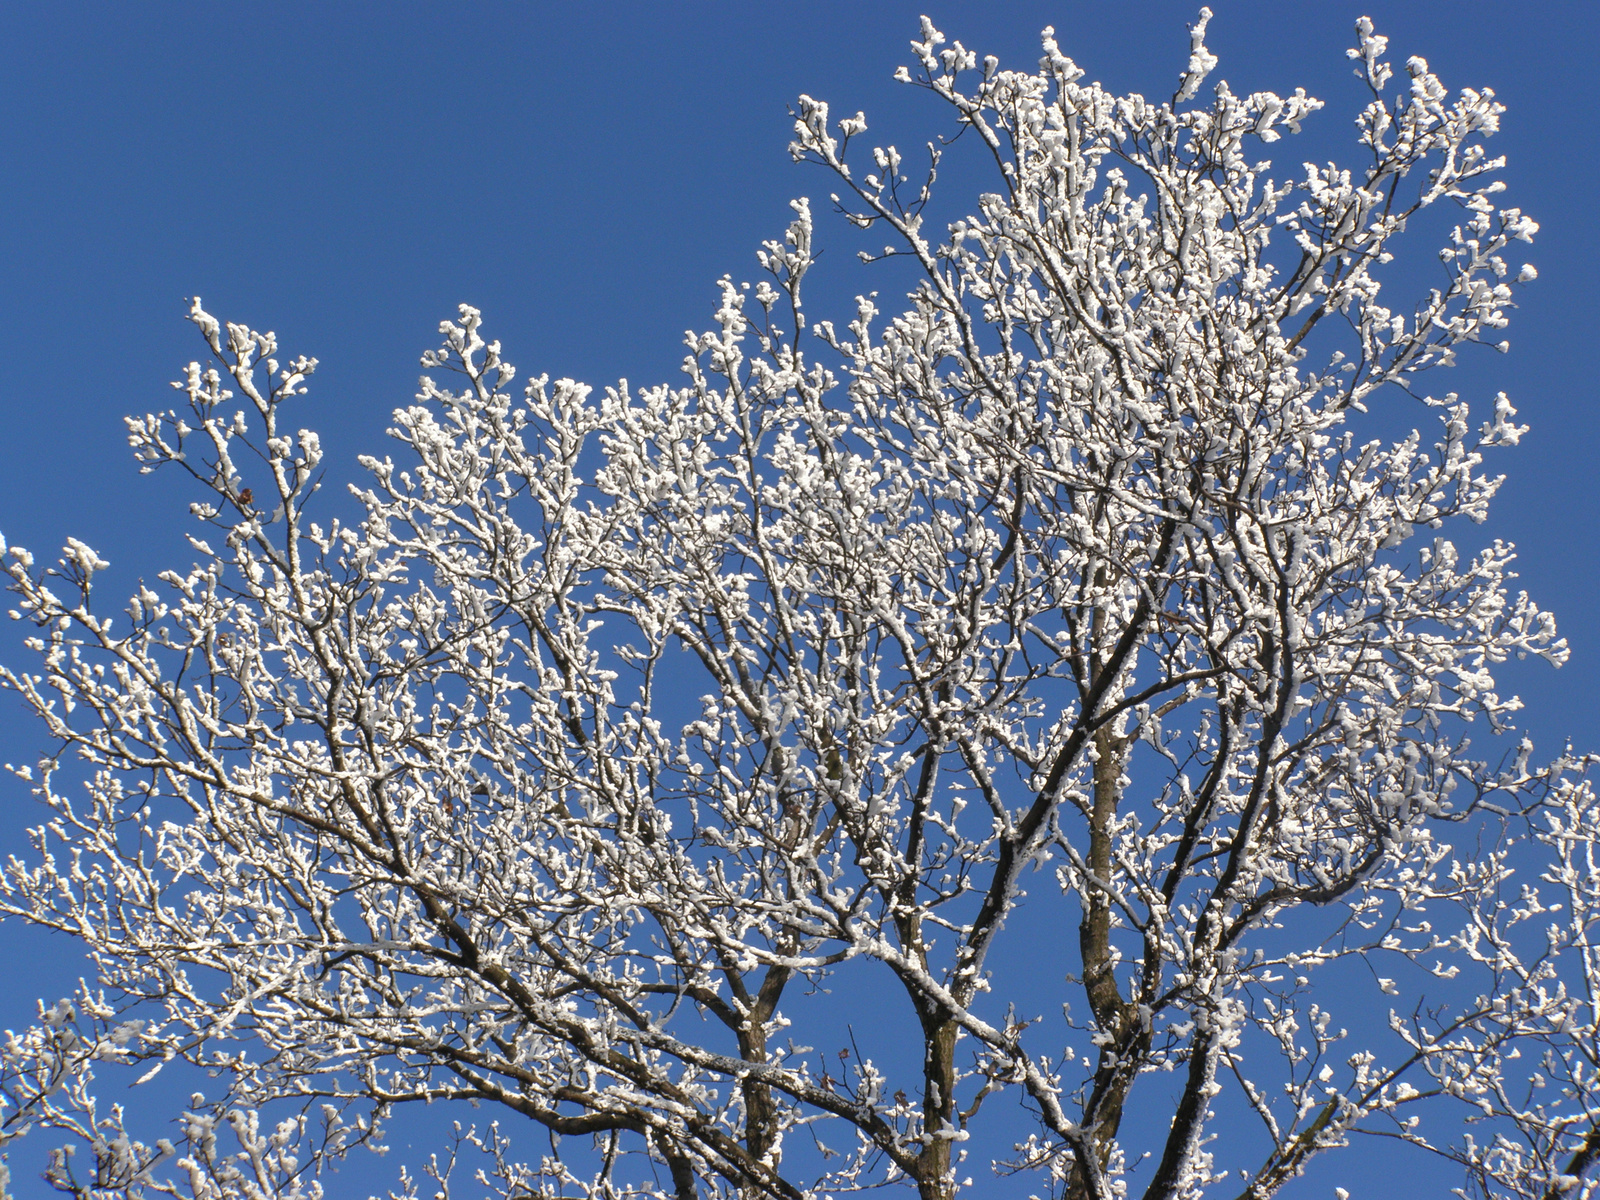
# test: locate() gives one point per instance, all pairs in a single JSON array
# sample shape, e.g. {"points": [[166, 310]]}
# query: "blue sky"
{"points": [[346, 174]]}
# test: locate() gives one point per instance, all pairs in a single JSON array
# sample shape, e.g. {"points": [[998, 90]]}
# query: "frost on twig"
{"points": [[620, 725]]}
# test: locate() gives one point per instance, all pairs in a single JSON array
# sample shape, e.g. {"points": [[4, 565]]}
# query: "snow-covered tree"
{"points": [[1075, 600]]}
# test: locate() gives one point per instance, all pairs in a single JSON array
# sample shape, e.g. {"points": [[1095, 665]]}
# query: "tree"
{"points": [[614, 728]]}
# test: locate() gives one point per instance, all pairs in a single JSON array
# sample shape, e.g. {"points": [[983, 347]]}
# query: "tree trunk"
{"points": [[935, 1176], [1116, 1018]]}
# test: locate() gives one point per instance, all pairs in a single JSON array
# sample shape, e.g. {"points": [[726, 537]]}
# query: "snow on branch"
{"points": [[615, 727]]}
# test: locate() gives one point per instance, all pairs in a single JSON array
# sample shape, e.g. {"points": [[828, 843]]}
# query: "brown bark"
{"points": [[761, 1114], [935, 1177], [1116, 1018]]}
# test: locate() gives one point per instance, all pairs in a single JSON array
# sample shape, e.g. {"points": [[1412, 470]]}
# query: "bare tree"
{"points": [[615, 727]]}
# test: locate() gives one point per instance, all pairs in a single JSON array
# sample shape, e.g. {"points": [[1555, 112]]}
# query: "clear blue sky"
{"points": [[345, 174]]}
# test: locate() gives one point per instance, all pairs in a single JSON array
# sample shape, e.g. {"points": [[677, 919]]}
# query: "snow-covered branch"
{"points": [[609, 729]]}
